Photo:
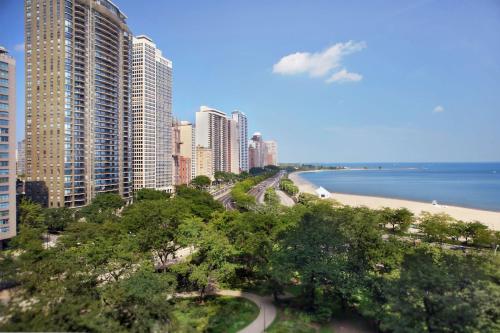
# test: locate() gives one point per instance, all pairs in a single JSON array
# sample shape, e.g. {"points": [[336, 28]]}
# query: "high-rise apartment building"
{"points": [[152, 116], [256, 151], [271, 153], [234, 146], [7, 146], [188, 146], [212, 132], [242, 121], [21, 158], [78, 116]]}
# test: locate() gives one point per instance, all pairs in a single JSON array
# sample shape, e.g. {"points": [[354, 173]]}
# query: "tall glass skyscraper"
{"points": [[78, 113], [242, 121], [7, 146]]}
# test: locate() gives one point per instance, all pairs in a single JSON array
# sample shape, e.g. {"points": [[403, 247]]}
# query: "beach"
{"points": [[489, 218]]}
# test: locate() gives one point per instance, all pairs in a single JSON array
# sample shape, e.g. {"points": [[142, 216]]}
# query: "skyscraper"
{"points": [[242, 120], [256, 151], [152, 116], [78, 117], [234, 146], [271, 153], [212, 132], [7, 146]]}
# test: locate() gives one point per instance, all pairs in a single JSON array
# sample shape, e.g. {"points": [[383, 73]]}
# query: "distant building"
{"points": [[21, 158], [256, 151], [270, 153], [7, 146], [212, 132], [152, 116], [188, 145], [234, 146], [322, 193], [242, 121], [184, 173], [176, 150], [204, 162]]}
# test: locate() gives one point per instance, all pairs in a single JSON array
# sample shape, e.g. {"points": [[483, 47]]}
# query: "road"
{"points": [[258, 192]]}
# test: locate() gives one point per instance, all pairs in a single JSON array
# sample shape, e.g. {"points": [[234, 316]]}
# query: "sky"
{"points": [[330, 81]]}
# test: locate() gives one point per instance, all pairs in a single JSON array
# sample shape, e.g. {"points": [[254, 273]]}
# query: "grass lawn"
{"points": [[295, 321], [216, 314]]}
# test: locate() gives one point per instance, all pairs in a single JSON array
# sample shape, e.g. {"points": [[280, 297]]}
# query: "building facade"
{"points": [[242, 121], [21, 158], [234, 146], [188, 146], [212, 133], [78, 115], [271, 153], [204, 162], [256, 151], [7, 146], [152, 116]]}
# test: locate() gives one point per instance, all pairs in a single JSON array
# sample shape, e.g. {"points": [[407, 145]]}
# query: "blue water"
{"points": [[474, 185]]}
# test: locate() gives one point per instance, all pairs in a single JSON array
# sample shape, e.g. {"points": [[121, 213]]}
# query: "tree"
{"points": [[400, 220], [31, 214], [271, 198], [435, 227], [201, 203], [472, 230], [201, 182], [440, 291], [103, 207], [155, 225], [56, 219], [150, 194]]}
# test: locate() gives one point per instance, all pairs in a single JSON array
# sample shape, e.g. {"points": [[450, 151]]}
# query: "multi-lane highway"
{"points": [[257, 191]]}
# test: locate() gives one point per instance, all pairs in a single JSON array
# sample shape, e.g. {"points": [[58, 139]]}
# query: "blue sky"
{"points": [[392, 65]]}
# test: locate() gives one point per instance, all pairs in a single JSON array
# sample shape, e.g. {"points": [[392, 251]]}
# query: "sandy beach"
{"points": [[489, 218]]}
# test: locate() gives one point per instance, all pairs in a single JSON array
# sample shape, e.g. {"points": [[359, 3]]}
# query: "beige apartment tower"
{"points": [[204, 162], [7, 146], [78, 116]]}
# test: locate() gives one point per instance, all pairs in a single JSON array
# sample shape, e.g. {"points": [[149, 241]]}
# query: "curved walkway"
{"points": [[267, 312]]}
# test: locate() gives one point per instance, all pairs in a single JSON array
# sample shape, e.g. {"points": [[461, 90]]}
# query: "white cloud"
{"points": [[439, 108], [344, 76], [19, 47], [320, 64]]}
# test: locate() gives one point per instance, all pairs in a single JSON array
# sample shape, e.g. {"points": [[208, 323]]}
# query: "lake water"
{"points": [[474, 185]]}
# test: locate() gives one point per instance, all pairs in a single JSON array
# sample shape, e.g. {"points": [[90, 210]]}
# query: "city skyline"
{"points": [[380, 97]]}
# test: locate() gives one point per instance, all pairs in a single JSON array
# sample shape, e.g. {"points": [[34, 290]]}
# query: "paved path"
{"points": [[285, 199], [267, 309]]}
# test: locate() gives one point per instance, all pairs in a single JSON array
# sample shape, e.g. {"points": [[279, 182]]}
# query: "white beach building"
{"points": [[322, 193]]}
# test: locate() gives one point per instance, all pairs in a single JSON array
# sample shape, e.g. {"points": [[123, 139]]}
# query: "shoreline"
{"points": [[489, 218]]}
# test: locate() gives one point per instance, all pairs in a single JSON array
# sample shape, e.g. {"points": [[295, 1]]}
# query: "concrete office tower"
{"points": [[78, 116], [152, 116], [212, 132], [242, 120], [256, 151], [188, 147], [7, 146], [271, 153], [234, 146], [204, 162], [21, 158]]}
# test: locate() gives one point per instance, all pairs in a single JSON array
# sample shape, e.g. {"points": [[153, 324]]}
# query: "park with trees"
{"points": [[116, 267]]}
